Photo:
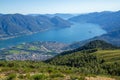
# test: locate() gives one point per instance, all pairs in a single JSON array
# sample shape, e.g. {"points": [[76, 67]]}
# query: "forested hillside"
{"points": [[96, 57], [90, 61], [18, 24]]}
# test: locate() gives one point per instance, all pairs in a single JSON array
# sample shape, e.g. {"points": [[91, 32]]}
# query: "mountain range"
{"points": [[110, 37], [109, 21], [18, 24], [97, 58], [61, 15]]}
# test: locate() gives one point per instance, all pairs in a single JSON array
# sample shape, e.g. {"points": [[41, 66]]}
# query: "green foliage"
{"points": [[92, 46], [42, 71], [77, 59], [98, 44], [14, 51], [91, 63], [11, 77], [109, 56], [54, 75], [112, 68], [21, 76], [33, 48], [38, 77], [74, 65]]}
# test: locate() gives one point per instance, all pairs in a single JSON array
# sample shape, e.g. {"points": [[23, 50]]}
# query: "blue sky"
{"points": [[57, 6]]}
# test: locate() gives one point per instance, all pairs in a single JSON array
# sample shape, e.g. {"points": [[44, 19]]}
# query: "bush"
{"points": [[55, 75], [21, 76], [77, 78], [39, 77], [11, 77]]}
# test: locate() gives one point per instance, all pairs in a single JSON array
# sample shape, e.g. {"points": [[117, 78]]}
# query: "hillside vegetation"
{"points": [[92, 61], [93, 58], [30, 70]]}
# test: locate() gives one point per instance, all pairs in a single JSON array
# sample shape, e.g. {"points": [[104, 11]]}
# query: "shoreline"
{"points": [[23, 34]]}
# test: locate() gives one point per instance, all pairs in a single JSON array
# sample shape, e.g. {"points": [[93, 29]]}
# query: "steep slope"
{"points": [[18, 24], [97, 44], [91, 46], [59, 22], [104, 59], [107, 20], [109, 56]]}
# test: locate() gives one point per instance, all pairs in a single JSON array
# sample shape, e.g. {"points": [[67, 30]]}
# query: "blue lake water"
{"points": [[77, 32]]}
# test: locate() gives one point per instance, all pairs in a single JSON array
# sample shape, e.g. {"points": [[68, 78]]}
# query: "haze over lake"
{"points": [[77, 32]]}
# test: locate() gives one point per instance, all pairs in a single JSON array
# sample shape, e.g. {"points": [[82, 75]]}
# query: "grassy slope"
{"points": [[108, 55], [91, 66], [28, 70]]}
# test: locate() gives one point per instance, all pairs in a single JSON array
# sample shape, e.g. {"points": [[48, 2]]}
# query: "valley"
{"points": [[62, 35], [12, 25], [59, 40], [48, 47], [101, 29]]}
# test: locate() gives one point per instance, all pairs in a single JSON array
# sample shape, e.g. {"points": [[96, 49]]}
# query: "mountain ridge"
{"points": [[18, 24], [91, 60], [109, 21], [92, 46]]}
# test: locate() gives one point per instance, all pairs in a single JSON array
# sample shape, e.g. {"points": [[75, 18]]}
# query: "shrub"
{"points": [[54, 75], [11, 77], [21, 76], [39, 77]]}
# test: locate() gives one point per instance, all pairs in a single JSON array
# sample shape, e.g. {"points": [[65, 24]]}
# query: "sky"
{"points": [[57, 6]]}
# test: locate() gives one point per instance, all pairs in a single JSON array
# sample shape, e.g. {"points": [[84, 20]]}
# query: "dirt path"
{"points": [[98, 78]]}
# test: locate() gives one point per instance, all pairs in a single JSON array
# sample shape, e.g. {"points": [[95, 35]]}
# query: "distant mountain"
{"points": [[61, 15], [59, 22], [1, 14], [109, 21], [111, 37], [17, 24]]}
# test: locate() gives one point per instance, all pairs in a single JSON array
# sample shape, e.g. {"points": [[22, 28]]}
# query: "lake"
{"points": [[77, 32]]}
